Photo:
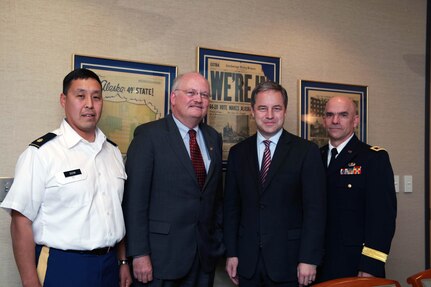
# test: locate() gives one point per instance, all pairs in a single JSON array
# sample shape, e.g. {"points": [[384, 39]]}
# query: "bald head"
{"points": [[340, 119], [342, 100]]}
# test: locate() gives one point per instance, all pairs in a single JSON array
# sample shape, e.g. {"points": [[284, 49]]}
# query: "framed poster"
{"points": [[133, 93], [313, 98], [232, 77]]}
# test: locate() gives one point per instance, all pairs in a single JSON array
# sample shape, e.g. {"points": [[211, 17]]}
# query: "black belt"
{"points": [[98, 251]]}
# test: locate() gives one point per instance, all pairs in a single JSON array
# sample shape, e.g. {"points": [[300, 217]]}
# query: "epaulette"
{"points": [[376, 148], [43, 140], [111, 142]]}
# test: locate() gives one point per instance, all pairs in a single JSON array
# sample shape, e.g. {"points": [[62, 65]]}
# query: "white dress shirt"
{"points": [[261, 146], [339, 149]]}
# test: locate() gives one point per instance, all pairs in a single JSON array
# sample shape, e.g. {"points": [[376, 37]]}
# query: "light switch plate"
{"points": [[5, 184], [408, 183], [397, 183]]}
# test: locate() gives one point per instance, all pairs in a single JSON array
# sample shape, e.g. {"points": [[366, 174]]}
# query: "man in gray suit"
{"points": [[172, 200]]}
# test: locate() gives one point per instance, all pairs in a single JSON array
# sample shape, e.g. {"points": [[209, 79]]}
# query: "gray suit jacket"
{"points": [[167, 216]]}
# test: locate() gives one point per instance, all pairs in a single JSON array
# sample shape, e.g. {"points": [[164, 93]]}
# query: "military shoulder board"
{"points": [[111, 142], [43, 140], [376, 148]]}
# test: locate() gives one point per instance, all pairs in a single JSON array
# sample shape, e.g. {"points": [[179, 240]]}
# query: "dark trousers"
{"points": [[60, 268], [260, 277], [194, 278]]}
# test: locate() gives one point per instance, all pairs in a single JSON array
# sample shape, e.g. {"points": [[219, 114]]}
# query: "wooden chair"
{"points": [[421, 279], [359, 282]]}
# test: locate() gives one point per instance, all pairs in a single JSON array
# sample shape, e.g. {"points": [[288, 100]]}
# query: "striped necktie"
{"points": [[266, 161]]}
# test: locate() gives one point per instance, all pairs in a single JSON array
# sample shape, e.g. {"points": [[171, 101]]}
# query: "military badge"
{"points": [[43, 140], [353, 169]]}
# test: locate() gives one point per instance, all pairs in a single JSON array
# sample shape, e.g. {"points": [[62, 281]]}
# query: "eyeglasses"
{"points": [[192, 93]]}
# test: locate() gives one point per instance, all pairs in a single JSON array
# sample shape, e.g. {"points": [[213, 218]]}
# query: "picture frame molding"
{"points": [[359, 93], [229, 110], [134, 84]]}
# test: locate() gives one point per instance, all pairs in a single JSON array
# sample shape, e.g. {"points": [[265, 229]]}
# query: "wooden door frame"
{"points": [[427, 141]]}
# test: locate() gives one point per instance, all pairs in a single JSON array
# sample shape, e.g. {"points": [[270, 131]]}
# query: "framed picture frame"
{"points": [[133, 92], [232, 77], [313, 98]]}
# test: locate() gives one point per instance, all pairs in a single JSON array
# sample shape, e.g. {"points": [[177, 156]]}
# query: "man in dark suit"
{"points": [[362, 204], [274, 204], [172, 207]]}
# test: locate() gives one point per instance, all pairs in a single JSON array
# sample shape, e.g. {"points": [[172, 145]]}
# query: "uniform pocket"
{"points": [[73, 189], [70, 176]]}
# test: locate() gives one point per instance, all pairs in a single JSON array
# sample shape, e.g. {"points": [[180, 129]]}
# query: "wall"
{"points": [[380, 44]]}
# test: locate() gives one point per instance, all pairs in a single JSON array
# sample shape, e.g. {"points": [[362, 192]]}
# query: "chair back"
{"points": [[359, 282], [421, 279]]}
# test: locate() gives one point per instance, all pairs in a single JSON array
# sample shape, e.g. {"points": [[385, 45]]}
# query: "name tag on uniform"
{"points": [[72, 172]]}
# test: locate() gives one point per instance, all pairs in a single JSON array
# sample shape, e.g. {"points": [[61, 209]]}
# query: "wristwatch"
{"points": [[123, 262]]}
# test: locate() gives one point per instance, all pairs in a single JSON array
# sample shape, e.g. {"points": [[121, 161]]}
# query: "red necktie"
{"points": [[197, 161], [266, 161]]}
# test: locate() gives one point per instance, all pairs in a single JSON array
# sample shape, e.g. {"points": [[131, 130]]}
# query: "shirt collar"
{"points": [[184, 130], [340, 146], [274, 139], [72, 138]]}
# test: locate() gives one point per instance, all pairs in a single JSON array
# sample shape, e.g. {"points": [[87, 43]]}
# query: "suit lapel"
{"points": [[210, 143], [252, 162], [177, 144], [324, 153]]}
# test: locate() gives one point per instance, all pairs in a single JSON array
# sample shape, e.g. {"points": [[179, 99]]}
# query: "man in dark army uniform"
{"points": [[362, 204]]}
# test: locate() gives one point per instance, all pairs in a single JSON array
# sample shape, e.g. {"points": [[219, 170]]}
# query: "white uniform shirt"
{"points": [[71, 190]]}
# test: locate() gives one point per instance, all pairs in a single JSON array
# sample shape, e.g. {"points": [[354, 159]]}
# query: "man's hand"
{"points": [[306, 274], [125, 278], [142, 269], [231, 268]]}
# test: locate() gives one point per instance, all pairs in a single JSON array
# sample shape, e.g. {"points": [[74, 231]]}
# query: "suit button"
{"points": [[262, 206]]}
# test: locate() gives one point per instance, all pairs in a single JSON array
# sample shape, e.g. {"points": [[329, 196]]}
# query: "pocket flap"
{"points": [[72, 175], [159, 227]]}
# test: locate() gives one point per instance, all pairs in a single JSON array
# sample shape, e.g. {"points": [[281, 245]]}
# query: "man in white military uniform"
{"points": [[65, 201]]}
